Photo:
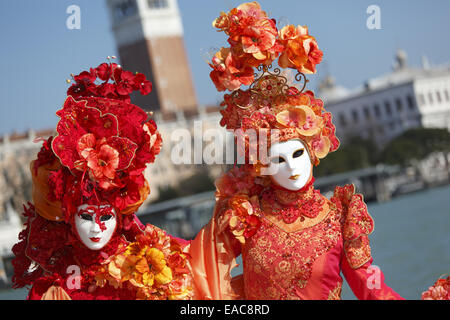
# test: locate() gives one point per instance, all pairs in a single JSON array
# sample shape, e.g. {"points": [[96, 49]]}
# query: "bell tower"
{"points": [[149, 38]]}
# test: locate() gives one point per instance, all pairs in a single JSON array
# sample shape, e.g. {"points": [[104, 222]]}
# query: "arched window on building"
{"points": [[399, 104], [355, 115], [410, 101], [377, 110], [430, 98], [366, 112], [387, 107], [447, 96], [438, 97], [157, 4], [342, 120]]}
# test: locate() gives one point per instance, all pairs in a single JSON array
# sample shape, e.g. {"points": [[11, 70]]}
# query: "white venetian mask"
{"points": [[95, 225], [290, 165]]}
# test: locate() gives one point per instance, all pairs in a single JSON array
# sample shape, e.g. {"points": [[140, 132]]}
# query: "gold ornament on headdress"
{"points": [[269, 87]]}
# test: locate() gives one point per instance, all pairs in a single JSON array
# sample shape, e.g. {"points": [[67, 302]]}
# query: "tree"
{"points": [[358, 153], [415, 144]]}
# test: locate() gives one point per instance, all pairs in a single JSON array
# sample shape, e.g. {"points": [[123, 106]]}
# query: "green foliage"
{"points": [[356, 154], [167, 193], [415, 144], [199, 182]]}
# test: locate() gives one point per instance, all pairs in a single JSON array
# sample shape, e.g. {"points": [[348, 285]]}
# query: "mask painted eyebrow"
{"points": [[298, 153], [106, 211], [88, 210]]}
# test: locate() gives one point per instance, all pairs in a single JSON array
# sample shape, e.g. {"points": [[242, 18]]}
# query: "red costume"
{"points": [[96, 162], [294, 244]]}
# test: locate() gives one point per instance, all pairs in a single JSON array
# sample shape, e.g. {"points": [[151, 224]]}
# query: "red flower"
{"points": [[103, 162], [45, 155], [125, 86], [88, 140], [142, 84], [103, 140], [124, 83], [104, 71], [130, 194], [85, 77], [253, 224], [177, 263], [56, 183], [108, 90]]}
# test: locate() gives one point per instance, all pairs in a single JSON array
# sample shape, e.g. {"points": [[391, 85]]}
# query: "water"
{"points": [[411, 242]]}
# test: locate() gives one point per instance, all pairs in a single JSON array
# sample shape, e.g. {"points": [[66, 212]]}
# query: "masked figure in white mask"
{"points": [[82, 235], [295, 243], [95, 225]]}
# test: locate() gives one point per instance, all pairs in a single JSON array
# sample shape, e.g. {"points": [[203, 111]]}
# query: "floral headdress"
{"points": [[270, 102], [102, 146]]}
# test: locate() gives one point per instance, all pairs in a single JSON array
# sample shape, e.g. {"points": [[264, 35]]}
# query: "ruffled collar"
{"points": [[289, 205], [287, 197], [87, 257]]}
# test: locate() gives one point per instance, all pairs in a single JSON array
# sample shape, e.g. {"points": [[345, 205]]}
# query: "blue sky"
{"points": [[38, 52]]}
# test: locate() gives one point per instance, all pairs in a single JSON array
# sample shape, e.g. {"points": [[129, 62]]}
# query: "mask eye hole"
{"points": [[86, 217], [277, 160], [298, 153], [106, 217]]}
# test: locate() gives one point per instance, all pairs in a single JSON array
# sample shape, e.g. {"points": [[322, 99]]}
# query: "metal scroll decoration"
{"points": [[269, 87]]}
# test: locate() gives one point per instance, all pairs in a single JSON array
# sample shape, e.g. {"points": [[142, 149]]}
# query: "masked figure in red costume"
{"points": [[82, 239], [295, 243]]}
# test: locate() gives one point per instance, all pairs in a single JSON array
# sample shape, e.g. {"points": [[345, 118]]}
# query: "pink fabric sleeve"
{"points": [[367, 282]]}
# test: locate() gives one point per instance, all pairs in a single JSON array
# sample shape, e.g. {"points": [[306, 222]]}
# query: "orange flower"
{"points": [[301, 50], [154, 267], [179, 289], [259, 38], [103, 157], [121, 268], [439, 291], [230, 72], [321, 146], [156, 259], [249, 27], [302, 118], [243, 221], [104, 162], [222, 22]]}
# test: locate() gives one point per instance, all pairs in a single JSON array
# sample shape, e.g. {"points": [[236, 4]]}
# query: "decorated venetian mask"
{"points": [[95, 225], [290, 165]]}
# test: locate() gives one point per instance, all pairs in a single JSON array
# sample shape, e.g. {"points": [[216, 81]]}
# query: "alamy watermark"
{"points": [[73, 281], [217, 146], [73, 21], [374, 278], [373, 22]]}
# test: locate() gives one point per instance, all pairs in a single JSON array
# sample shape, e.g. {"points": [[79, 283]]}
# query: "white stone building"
{"points": [[388, 105]]}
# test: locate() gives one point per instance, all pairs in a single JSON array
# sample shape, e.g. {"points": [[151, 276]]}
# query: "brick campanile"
{"points": [[149, 38]]}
